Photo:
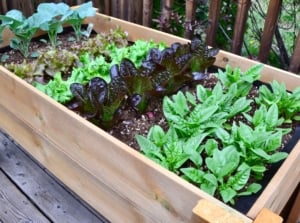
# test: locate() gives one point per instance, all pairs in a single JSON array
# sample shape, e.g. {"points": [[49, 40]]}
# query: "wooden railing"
{"points": [[141, 11]]}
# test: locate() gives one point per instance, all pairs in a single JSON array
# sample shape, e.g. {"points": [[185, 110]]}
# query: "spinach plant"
{"points": [[205, 111], [232, 143], [169, 150], [244, 80], [267, 118], [256, 146], [288, 103]]}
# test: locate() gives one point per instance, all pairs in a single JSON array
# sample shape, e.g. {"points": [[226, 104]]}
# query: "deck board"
{"points": [[14, 206], [53, 200]]}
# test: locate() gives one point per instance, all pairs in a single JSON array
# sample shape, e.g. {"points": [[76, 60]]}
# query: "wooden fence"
{"points": [[141, 11]]}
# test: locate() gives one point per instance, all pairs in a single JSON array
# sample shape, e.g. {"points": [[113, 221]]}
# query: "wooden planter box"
{"points": [[119, 182]]}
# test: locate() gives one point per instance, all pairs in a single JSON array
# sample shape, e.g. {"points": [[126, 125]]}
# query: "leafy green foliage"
{"points": [[78, 15], [97, 102], [168, 149], [57, 88], [55, 61], [288, 103], [160, 72], [49, 17], [244, 80], [103, 42], [23, 29], [267, 118], [231, 145], [81, 70], [56, 15]]}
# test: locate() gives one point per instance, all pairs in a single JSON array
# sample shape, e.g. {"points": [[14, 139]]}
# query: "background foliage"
{"points": [[283, 42]]}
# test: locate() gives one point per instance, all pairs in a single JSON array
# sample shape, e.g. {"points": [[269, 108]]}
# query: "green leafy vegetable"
{"points": [[23, 28], [244, 80], [77, 15], [288, 103], [56, 15]]}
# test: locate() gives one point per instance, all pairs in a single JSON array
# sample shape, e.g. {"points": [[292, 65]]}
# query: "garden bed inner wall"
{"points": [[119, 182]]}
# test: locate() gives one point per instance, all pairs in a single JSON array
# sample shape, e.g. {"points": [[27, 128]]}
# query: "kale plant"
{"points": [[23, 28], [56, 15], [77, 15]]}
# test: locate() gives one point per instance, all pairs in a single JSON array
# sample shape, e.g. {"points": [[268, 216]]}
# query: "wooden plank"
{"points": [[52, 198], [282, 185], [137, 15], [240, 26], [123, 9], [189, 18], [269, 29], [209, 212], [266, 216], [295, 60], [107, 7], [294, 215], [3, 7], [213, 22], [147, 12], [167, 8], [14, 206]]}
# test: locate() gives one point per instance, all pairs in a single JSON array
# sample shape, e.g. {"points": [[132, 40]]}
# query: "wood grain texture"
{"points": [[240, 26], [267, 216], [213, 22], [147, 12], [294, 215], [209, 212], [295, 60], [189, 18], [14, 206], [43, 190], [269, 29]]}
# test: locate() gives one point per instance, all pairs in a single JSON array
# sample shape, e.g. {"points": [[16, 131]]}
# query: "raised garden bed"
{"points": [[116, 180]]}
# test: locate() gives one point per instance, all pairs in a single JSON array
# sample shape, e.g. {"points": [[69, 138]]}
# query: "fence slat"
{"points": [[189, 18], [3, 6], [167, 8], [213, 20], [269, 29], [295, 60], [147, 12], [240, 25], [107, 7]]}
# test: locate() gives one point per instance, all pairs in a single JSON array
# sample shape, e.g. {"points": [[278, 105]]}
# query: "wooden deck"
{"points": [[28, 193]]}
